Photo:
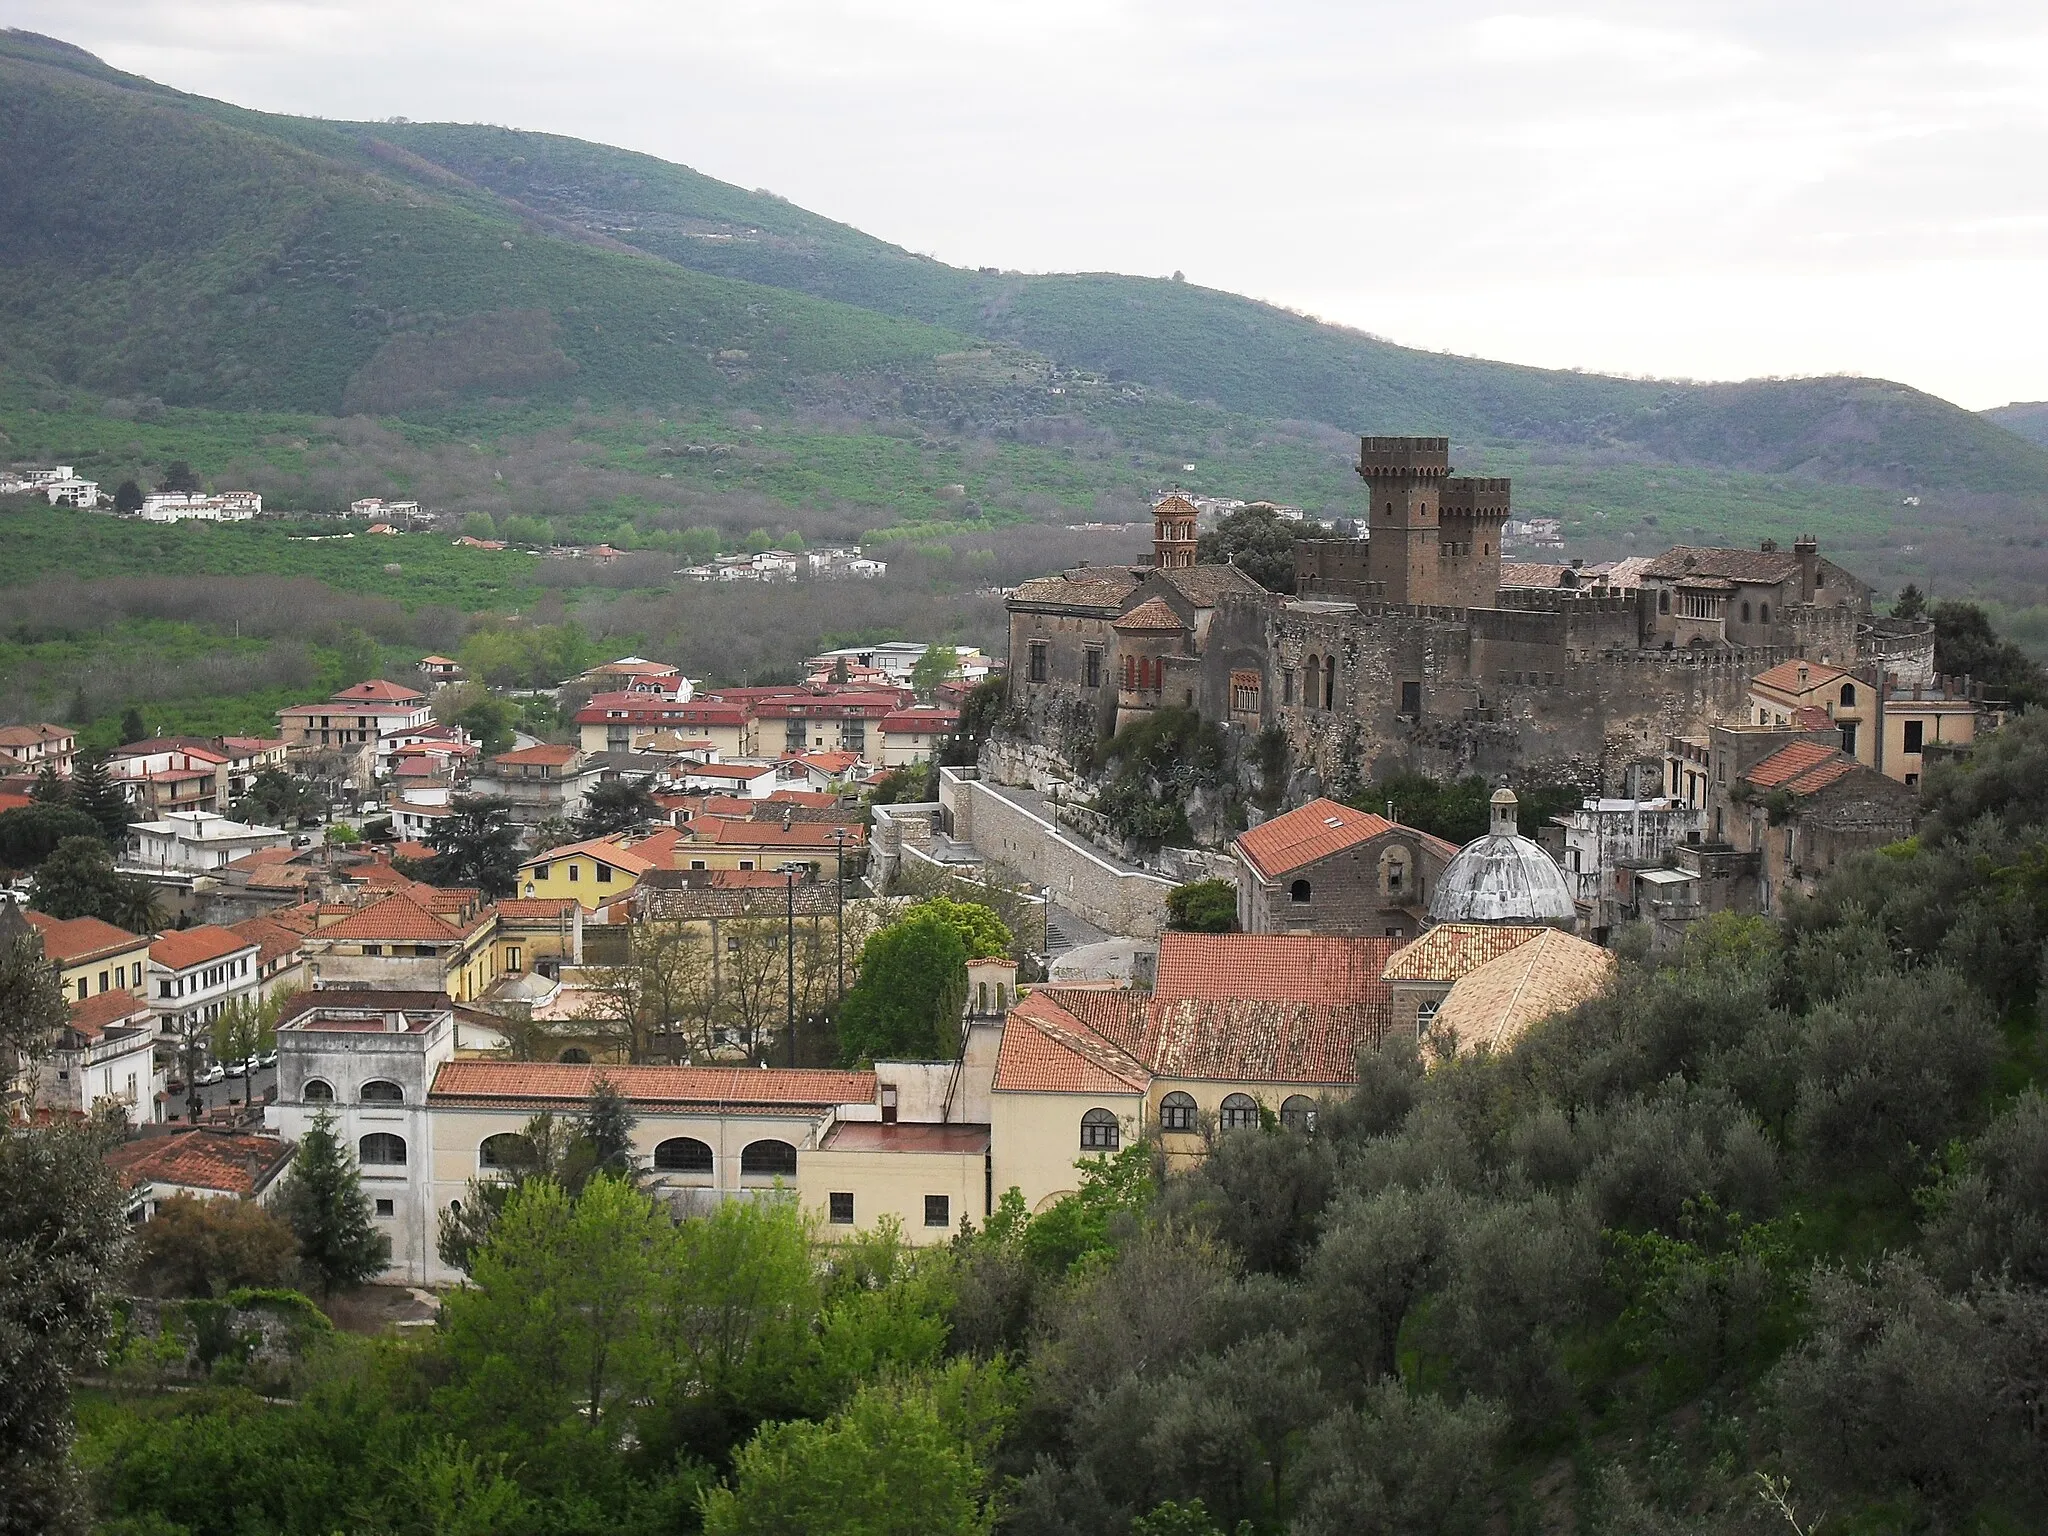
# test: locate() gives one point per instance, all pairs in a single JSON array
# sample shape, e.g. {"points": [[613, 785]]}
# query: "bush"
{"points": [[1203, 906]]}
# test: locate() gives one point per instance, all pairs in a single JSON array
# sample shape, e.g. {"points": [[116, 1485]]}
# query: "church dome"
{"points": [[1503, 878]]}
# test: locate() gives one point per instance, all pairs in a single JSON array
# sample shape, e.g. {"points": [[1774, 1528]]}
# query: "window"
{"points": [[1424, 1012], [1745, 612], [1664, 601], [1849, 737], [768, 1159], [841, 1203], [104, 978], [1764, 613], [387, 1208], [164, 988], [938, 1210], [507, 1149], [1915, 735], [1394, 872], [682, 1154], [423, 951], [382, 1091], [1094, 668], [746, 863], [1287, 686], [513, 958], [381, 1149], [697, 864], [1177, 1112], [373, 949], [1411, 700], [1298, 891], [1244, 693], [1298, 1112], [1037, 673], [1100, 1132], [1330, 682], [1239, 1110], [574, 874], [604, 874], [1311, 680], [84, 988], [540, 871], [1848, 695]]}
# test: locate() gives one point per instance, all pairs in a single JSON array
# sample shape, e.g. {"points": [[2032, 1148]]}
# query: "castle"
{"points": [[1418, 647]]}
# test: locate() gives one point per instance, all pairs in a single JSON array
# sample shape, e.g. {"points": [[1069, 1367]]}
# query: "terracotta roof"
{"points": [[561, 1083], [32, 735], [412, 850], [1785, 675], [809, 799], [1279, 968], [1105, 592], [1811, 717], [1520, 574], [202, 1159], [1314, 831], [1259, 1041], [15, 802], [181, 950], [531, 909], [694, 902], [633, 666], [274, 939], [396, 917], [94, 1016], [1203, 585], [1451, 950], [770, 834], [379, 691], [833, 762], [1756, 565], [924, 717], [1045, 1049], [1802, 768], [602, 849], [903, 1136], [1150, 617], [77, 940], [261, 857], [557, 756], [1492, 1006]]}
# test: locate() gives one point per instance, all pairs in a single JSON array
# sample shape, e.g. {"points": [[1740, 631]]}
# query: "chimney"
{"points": [[1807, 548]]}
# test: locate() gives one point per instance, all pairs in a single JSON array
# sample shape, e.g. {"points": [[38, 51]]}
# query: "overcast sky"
{"points": [[1707, 190]]}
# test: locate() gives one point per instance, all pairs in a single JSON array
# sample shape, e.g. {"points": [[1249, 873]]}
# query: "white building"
{"points": [[57, 484], [1605, 836], [197, 842], [378, 510], [105, 1059], [196, 972], [197, 506], [204, 1163]]}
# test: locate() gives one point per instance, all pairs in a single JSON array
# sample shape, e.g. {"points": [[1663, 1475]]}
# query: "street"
{"points": [[228, 1090]]}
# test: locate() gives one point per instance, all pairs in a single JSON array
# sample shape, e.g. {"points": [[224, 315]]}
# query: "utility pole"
{"points": [[839, 912], [789, 995]]}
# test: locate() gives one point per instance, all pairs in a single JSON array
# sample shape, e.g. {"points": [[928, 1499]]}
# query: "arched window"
{"points": [[317, 1091], [1764, 613], [686, 1154], [1311, 680], [507, 1149], [381, 1149], [1664, 601], [1100, 1132], [575, 1055], [1002, 998], [1177, 1112], [1745, 611], [1330, 683], [1239, 1109], [1849, 695], [1394, 872], [769, 1159], [1298, 891], [382, 1091], [981, 997], [1298, 1112]]}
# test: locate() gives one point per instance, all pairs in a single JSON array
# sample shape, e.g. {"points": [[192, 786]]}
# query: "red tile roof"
{"points": [[397, 917], [79, 940], [1253, 1040], [274, 938], [562, 1083], [1278, 968], [1315, 831], [603, 849], [769, 834], [378, 691], [1451, 950], [103, 1011], [813, 799], [1802, 768], [527, 909], [202, 1159], [1785, 676], [181, 950], [1045, 1049], [555, 756], [924, 717], [1150, 617]]}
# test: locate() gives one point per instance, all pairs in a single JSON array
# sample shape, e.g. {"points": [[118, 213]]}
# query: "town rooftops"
{"points": [[1524, 574], [633, 706], [1314, 831], [273, 940], [921, 717], [93, 1017], [633, 666], [544, 1084], [1272, 967], [602, 849], [772, 834], [33, 735], [80, 940], [183, 949], [1801, 768], [205, 752], [223, 1162], [1451, 950], [396, 917], [1046, 1049], [1765, 566], [1494, 1005], [537, 909], [1104, 589]]}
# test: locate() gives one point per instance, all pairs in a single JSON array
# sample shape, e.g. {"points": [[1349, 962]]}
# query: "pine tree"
{"points": [[94, 792], [133, 728], [608, 1133], [47, 789], [326, 1206]]}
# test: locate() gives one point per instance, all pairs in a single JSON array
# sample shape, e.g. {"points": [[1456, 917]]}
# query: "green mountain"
{"points": [[2029, 418], [165, 245]]}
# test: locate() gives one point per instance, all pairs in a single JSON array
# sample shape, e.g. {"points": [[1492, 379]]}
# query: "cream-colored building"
{"points": [[91, 957]]}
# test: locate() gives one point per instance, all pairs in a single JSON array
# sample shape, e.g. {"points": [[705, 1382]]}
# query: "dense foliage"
{"points": [[913, 984], [1461, 809], [1203, 906], [1260, 542]]}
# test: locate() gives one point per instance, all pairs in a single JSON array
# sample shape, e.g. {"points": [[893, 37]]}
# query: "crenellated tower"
{"points": [[1435, 537]]}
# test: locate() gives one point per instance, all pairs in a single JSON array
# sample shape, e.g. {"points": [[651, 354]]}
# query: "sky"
{"points": [[1712, 191]]}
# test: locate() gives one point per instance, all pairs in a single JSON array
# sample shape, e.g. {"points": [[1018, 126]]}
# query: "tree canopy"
{"points": [[1260, 542], [907, 1003]]}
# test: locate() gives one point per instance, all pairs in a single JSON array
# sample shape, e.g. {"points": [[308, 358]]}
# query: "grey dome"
{"points": [[1503, 878]]}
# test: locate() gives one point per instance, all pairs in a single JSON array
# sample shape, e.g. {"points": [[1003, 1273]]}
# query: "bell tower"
{"points": [[1173, 531]]}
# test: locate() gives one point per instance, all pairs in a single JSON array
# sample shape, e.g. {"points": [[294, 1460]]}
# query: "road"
{"points": [[217, 1095]]}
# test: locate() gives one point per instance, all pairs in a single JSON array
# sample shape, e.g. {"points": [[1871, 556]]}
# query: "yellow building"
{"points": [[91, 957], [1887, 728], [717, 842], [592, 873], [543, 934], [397, 943]]}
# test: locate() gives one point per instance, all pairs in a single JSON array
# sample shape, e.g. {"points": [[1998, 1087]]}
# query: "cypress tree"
{"points": [[326, 1206], [608, 1133]]}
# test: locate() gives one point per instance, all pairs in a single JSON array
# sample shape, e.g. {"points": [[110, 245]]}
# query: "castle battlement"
{"points": [[1557, 600], [1403, 457]]}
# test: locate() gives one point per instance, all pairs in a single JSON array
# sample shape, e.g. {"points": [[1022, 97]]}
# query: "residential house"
{"points": [[196, 972], [440, 669], [817, 773], [280, 956], [1800, 806], [623, 721], [1608, 836], [398, 941], [377, 509], [361, 715], [913, 735], [205, 1163], [1330, 868], [538, 935], [92, 957], [817, 849], [832, 721], [197, 842], [57, 485], [448, 746], [540, 782], [741, 781], [104, 1060], [198, 506], [32, 748], [248, 756], [161, 777], [593, 872], [636, 674], [1912, 720], [727, 724]]}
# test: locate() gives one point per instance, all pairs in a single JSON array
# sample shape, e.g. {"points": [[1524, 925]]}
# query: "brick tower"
{"points": [[1435, 538], [1173, 531]]}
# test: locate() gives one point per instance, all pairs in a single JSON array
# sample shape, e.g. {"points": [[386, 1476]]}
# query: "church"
{"points": [[1417, 646]]}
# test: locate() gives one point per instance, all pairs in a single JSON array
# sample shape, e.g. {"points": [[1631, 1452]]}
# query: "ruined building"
{"points": [[1404, 648]]}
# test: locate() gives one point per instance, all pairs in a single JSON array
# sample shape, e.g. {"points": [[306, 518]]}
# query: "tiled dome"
{"points": [[1503, 878]]}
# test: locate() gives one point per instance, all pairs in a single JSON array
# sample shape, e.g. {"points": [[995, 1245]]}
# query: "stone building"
{"points": [[1405, 650], [1328, 868]]}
